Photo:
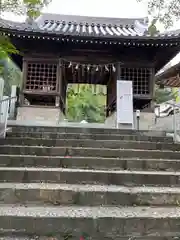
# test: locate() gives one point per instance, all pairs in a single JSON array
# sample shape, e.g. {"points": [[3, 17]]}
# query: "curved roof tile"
{"points": [[86, 26]]}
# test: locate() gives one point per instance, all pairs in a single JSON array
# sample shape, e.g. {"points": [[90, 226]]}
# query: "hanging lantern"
{"points": [[70, 65]]}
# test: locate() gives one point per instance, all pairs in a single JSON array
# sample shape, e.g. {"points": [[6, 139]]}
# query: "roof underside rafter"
{"points": [[170, 82], [169, 77]]}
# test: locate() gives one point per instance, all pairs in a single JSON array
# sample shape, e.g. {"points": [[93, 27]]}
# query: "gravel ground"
{"points": [[89, 212], [89, 148], [45, 169], [85, 157], [89, 188], [21, 238]]}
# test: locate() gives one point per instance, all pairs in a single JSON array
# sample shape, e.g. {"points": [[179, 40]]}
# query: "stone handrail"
{"points": [[3, 122]]}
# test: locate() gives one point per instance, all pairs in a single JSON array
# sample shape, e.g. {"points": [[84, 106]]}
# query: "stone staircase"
{"points": [[79, 183]]}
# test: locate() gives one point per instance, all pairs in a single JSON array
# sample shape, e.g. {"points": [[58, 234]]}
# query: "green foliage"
{"points": [[6, 48], [152, 30], [166, 11], [11, 74], [32, 9], [11, 6], [163, 95], [85, 105]]}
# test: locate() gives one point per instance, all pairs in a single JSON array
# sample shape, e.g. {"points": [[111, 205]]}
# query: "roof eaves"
{"points": [[27, 29], [170, 72]]}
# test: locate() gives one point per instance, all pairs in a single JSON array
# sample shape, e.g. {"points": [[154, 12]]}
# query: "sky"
{"points": [[101, 8], [117, 8]]}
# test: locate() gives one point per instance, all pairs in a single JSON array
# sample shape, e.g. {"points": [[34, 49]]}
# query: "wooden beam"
{"points": [[23, 85]]}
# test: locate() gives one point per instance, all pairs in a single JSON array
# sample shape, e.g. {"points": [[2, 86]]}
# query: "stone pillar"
{"points": [[12, 102], [1, 87], [39, 114], [4, 109], [1, 95]]}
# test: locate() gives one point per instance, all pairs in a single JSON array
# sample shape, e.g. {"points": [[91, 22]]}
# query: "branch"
{"points": [[166, 11]]}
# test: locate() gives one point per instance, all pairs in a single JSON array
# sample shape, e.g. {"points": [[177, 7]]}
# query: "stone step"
{"points": [[113, 144], [60, 237], [87, 195], [94, 222], [84, 129], [82, 176], [90, 162], [35, 237], [52, 135], [88, 152], [13, 237]]}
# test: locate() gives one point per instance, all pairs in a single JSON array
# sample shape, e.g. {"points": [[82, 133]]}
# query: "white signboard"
{"points": [[124, 102]]}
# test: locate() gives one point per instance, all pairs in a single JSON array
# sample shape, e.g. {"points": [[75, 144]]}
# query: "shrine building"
{"points": [[169, 77], [57, 50]]}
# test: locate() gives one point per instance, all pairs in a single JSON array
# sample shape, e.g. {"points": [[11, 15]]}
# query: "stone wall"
{"points": [[40, 114]]}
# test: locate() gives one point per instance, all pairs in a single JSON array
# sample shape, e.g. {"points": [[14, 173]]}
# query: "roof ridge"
{"points": [[88, 16], [89, 19]]}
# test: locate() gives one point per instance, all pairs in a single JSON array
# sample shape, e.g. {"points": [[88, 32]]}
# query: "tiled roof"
{"points": [[92, 26], [81, 26], [170, 76], [69, 25], [170, 82], [19, 26], [168, 73]]}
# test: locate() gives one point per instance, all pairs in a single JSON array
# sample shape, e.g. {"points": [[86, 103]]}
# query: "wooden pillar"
{"points": [[59, 83], [63, 87], [118, 77], [118, 71], [23, 85], [107, 99], [111, 88], [152, 88]]}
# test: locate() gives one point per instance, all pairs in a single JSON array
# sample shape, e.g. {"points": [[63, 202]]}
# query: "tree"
{"points": [[11, 74], [163, 95], [152, 29], [31, 8], [165, 11], [85, 105]]}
